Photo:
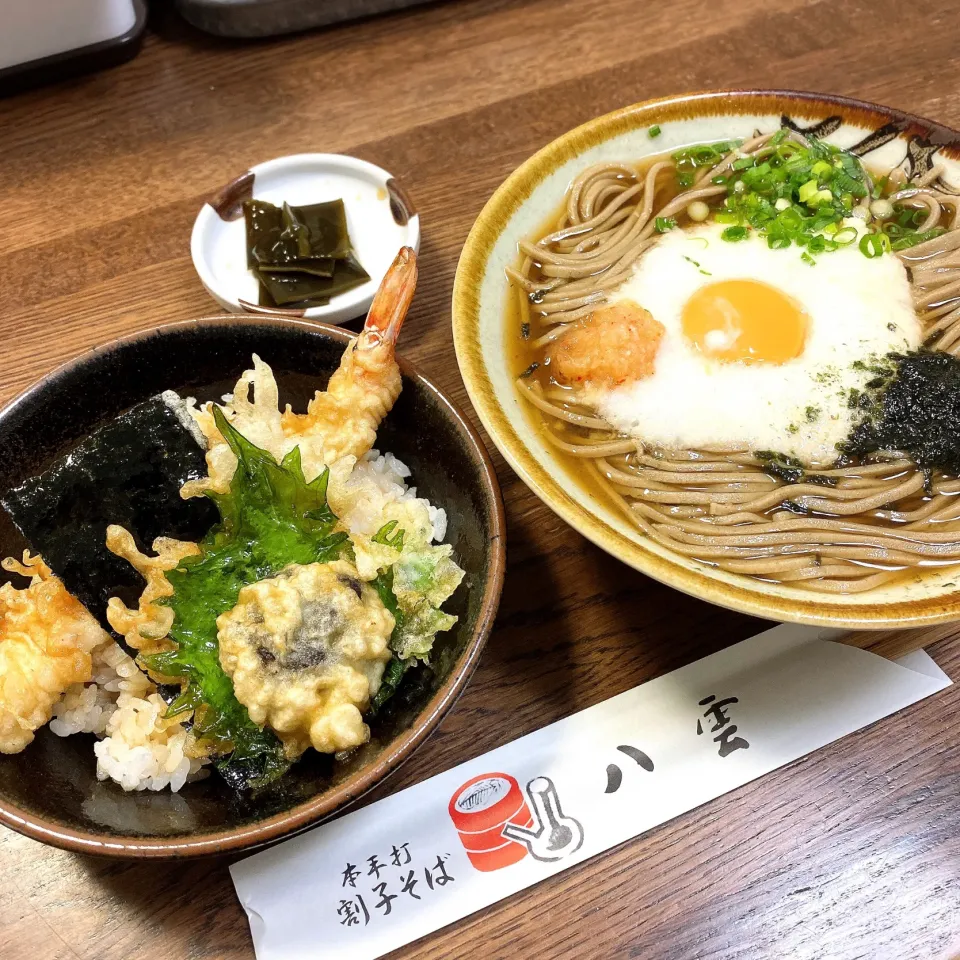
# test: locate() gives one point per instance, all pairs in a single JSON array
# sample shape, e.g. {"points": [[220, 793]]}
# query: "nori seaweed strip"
{"points": [[128, 472]]}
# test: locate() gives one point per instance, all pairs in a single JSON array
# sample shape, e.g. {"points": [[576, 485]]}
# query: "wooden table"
{"points": [[851, 852]]}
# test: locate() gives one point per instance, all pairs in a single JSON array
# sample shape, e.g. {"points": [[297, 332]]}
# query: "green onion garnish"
{"points": [[911, 240], [845, 236], [808, 191], [654, 131], [798, 194], [873, 245]]}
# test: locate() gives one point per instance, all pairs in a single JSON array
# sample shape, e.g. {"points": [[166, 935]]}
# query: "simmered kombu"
{"points": [[302, 256]]}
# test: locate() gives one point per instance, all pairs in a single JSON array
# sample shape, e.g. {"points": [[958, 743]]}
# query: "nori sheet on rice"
{"points": [[127, 472]]}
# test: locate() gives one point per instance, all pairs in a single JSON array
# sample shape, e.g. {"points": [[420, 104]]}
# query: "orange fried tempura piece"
{"points": [[614, 345], [46, 637]]}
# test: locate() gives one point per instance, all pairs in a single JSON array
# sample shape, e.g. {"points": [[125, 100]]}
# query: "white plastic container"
{"points": [[54, 38]]}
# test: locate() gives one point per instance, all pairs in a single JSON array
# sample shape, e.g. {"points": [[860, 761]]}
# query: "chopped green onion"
{"points": [[845, 236], [653, 132], [663, 224], [806, 258], [796, 194], [873, 245], [705, 154], [880, 187], [914, 238], [733, 234]]}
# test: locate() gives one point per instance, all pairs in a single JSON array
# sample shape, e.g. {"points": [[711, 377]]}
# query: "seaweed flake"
{"points": [[781, 466], [915, 408]]}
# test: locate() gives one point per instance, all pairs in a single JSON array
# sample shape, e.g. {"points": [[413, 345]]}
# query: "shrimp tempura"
{"points": [[341, 421], [46, 637]]}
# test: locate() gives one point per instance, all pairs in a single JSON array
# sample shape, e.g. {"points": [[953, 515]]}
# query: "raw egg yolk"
{"points": [[746, 321]]}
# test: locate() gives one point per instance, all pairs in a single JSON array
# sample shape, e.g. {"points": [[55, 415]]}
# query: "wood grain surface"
{"points": [[852, 852]]}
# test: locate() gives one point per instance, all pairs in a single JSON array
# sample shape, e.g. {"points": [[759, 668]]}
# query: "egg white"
{"points": [[860, 309]]}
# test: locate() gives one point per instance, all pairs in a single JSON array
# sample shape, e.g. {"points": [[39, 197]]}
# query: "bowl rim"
{"points": [[309, 812], [515, 190]]}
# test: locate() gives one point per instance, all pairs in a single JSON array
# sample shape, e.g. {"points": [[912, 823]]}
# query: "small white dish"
{"points": [[380, 220]]}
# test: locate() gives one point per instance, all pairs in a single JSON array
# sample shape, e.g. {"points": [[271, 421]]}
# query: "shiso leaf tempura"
{"points": [[270, 518]]}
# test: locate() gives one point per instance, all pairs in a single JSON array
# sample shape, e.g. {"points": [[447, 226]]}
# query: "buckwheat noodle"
{"points": [[841, 529]]}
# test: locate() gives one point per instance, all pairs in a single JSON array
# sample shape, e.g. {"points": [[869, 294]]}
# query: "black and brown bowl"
{"points": [[50, 791]]}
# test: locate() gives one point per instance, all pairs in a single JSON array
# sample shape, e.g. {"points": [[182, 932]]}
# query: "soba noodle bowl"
{"points": [[839, 524]]}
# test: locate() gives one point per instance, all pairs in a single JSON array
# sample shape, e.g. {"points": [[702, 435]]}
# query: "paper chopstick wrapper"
{"points": [[379, 878]]}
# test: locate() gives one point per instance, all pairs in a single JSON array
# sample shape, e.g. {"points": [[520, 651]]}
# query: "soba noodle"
{"points": [[840, 529]]}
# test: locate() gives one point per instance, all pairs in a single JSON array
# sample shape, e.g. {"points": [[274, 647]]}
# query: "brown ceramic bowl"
{"points": [[50, 790], [520, 207]]}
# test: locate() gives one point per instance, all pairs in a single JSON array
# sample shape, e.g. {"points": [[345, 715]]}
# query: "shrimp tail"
{"points": [[391, 302]]}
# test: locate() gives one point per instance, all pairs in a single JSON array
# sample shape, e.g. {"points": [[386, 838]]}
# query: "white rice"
{"points": [[142, 750], [139, 749], [388, 475], [86, 707]]}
